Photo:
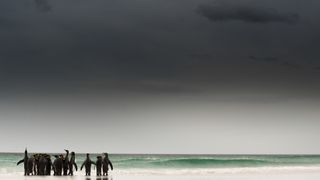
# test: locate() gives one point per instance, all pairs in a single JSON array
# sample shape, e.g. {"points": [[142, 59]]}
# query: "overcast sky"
{"points": [[160, 76]]}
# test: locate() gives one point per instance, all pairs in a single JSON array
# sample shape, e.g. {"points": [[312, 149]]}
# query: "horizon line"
{"points": [[310, 154]]}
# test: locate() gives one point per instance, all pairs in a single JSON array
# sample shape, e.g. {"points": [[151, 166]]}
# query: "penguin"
{"points": [[48, 166], [99, 165], [66, 163], [30, 166], [42, 165], [72, 163], [36, 164], [57, 165], [25, 163], [105, 164], [87, 164]]}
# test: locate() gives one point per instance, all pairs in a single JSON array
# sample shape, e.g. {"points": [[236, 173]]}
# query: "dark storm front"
{"points": [[242, 74], [42, 165]]}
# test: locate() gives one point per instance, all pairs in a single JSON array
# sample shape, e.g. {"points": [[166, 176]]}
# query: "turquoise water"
{"points": [[127, 162]]}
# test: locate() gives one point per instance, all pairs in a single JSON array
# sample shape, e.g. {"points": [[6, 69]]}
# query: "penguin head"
{"points": [[61, 156]]}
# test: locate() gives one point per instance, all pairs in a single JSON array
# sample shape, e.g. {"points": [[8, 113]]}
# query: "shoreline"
{"points": [[266, 176], [195, 172]]}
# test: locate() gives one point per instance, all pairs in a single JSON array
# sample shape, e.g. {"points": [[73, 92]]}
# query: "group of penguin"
{"points": [[41, 164], [101, 163]]}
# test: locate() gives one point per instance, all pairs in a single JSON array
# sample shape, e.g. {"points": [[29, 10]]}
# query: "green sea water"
{"points": [[152, 163]]}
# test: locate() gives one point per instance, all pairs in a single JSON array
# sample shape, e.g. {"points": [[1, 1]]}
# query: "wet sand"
{"points": [[292, 176]]}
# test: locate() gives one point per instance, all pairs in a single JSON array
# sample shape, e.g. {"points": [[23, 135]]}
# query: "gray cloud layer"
{"points": [[43, 5], [276, 61], [246, 14], [114, 47], [118, 68]]}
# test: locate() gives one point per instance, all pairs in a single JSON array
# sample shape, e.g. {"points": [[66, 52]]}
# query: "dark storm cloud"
{"points": [[276, 61], [317, 68], [43, 5], [106, 44], [264, 59], [5, 23], [201, 56], [82, 63], [291, 65], [226, 13]]}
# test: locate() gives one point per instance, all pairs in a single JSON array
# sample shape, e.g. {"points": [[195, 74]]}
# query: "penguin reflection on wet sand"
{"points": [[99, 178], [102, 178], [87, 164]]}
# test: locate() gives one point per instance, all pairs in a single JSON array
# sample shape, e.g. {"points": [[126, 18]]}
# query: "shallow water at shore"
{"points": [[185, 165], [294, 176]]}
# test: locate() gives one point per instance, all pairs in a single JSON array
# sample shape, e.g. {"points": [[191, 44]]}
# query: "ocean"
{"points": [[153, 164]]}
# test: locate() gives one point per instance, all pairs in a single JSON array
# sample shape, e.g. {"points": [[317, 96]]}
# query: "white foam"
{"points": [[197, 171]]}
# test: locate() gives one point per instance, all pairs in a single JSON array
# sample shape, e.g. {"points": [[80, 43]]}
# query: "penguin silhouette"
{"points": [[87, 164], [25, 163], [99, 165], [105, 164], [72, 163], [66, 163], [48, 167], [57, 165]]}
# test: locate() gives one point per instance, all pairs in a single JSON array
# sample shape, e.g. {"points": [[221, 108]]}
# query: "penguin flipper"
{"points": [[75, 165], [20, 162]]}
